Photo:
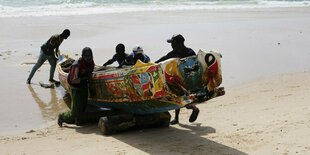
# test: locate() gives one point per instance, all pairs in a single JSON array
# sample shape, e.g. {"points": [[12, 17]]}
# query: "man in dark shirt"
{"points": [[79, 74], [49, 51], [179, 50], [120, 55], [137, 54]]}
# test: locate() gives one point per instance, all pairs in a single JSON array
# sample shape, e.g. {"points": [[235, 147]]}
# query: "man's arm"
{"points": [[147, 59], [191, 52], [54, 42], [75, 79], [57, 52], [161, 59], [109, 62], [73, 75]]}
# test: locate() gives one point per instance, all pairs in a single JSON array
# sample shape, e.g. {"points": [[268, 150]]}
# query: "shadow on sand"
{"points": [[189, 139], [185, 139]]}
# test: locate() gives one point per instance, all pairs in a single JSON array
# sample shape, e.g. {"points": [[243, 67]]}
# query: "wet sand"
{"points": [[255, 44]]}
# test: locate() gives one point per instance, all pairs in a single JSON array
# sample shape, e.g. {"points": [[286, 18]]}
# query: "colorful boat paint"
{"points": [[150, 88]]}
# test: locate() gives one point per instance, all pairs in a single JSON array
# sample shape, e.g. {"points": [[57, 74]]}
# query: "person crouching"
{"points": [[80, 72]]}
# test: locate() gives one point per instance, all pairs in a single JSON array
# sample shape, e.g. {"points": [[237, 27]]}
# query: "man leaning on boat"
{"points": [[119, 56], [137, 54], [179, 50], [80, 72], [49, 51]]}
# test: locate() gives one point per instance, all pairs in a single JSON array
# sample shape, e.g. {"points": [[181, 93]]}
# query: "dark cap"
{"points": [[176, 38]]}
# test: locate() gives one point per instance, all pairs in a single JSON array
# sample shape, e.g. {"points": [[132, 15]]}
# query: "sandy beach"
{"points": [[266, 73], [267, 116]]}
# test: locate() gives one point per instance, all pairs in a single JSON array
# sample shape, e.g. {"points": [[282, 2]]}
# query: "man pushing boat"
{"points": [[49, 51], [179, 50], [137, 54], [120, 55], [79, 74]]}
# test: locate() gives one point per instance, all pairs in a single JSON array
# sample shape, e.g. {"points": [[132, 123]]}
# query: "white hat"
{"points": [[137, 49]]}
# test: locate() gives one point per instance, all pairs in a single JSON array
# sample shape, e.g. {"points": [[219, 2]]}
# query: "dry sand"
{"points": [[265, 69]]}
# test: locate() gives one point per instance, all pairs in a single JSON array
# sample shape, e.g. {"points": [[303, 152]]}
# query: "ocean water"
{"points": [[20, 8]]}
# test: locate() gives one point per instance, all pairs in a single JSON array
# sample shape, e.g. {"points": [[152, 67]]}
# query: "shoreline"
{"points": [[97, 11], [165, 12]]}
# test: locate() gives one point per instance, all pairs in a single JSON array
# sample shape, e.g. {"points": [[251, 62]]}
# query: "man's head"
{"points": [[65, 34], [177, 41], [137, 50], [120, 48], [87, 54]]}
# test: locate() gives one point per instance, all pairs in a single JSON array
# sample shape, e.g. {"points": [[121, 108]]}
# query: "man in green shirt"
{"points": [[49, 51]]}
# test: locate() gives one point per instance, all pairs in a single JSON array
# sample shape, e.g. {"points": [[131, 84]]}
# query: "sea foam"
{"points": [[86, 7]]}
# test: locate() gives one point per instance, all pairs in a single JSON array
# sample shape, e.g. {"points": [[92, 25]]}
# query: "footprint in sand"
{"points": [[293, 86], [280, 96], [266, 90]]}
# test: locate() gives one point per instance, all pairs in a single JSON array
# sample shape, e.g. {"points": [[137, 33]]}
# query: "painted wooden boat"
{"points": [[150, 88]]}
